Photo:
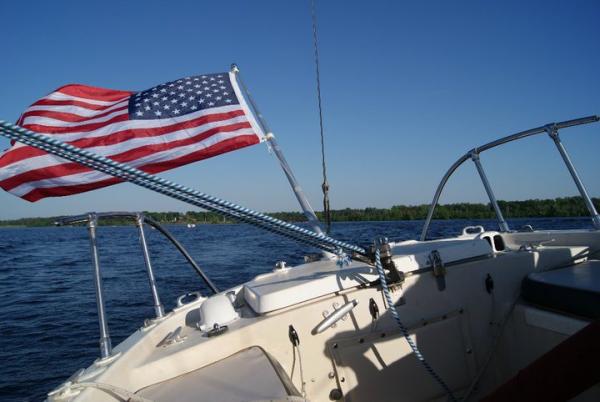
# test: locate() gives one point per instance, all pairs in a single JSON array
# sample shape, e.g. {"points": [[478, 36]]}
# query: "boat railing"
{"points": [[552, 130], [140, 219]]}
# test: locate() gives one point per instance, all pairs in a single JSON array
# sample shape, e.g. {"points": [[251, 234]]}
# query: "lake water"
{"points": [[48, 320]]}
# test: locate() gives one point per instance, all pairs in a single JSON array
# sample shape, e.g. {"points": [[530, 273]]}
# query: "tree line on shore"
{"points": [[557, 207]]}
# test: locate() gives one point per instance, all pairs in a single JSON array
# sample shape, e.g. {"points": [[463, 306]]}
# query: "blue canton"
{"points": [[181, 97]]}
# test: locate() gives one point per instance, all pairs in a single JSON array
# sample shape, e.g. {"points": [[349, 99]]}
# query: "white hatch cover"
{"points": [[286, 287]]}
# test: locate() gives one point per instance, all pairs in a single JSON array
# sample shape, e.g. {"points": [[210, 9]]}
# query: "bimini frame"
{"points": [[552, 131]]}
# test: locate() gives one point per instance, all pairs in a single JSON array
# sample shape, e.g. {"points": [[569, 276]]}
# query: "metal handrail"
{"points": [[473, 154], [91, 219]]}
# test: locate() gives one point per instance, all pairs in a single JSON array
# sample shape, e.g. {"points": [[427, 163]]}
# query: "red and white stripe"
{"points": [[97, 119]]}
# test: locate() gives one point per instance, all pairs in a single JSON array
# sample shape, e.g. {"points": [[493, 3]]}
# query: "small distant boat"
{"points": [[191, 225]]}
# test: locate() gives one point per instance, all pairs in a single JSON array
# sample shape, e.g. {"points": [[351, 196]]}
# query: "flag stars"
{"points": [[182, 97]]}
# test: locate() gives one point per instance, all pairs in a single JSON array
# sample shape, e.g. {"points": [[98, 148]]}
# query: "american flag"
{"points": [[164, 127]]}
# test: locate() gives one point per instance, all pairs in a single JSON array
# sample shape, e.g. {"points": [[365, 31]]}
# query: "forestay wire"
{"points": [[177, 191], [325, 185]]}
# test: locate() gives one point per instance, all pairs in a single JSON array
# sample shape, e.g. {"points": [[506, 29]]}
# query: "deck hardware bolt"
{"points": [[373, 309], [335, 394], [293, 335]]}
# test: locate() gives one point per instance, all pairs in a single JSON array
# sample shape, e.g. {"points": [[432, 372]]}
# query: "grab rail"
{"points": [[473, 154], [91, 220]]}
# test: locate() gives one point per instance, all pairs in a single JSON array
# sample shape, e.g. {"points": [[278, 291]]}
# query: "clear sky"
{"points": [[407, 88]]}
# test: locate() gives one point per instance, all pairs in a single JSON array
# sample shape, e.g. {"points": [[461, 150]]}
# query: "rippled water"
{"points": [[48, 321]]}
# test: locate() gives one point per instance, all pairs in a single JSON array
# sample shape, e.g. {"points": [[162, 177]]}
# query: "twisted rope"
{"points": [[177, 191], [403, 328]]}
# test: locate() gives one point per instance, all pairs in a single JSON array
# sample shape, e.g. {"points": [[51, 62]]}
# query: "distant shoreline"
{"points": [[566, 207]]}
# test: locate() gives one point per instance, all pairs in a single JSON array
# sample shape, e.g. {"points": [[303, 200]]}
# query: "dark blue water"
{"points": [[48, 322]]}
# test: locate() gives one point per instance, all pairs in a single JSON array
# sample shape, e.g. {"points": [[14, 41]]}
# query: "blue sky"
{"points": [[407, 88]]}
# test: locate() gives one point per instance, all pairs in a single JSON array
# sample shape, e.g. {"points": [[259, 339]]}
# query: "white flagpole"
{"points": [[309, 212]]}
